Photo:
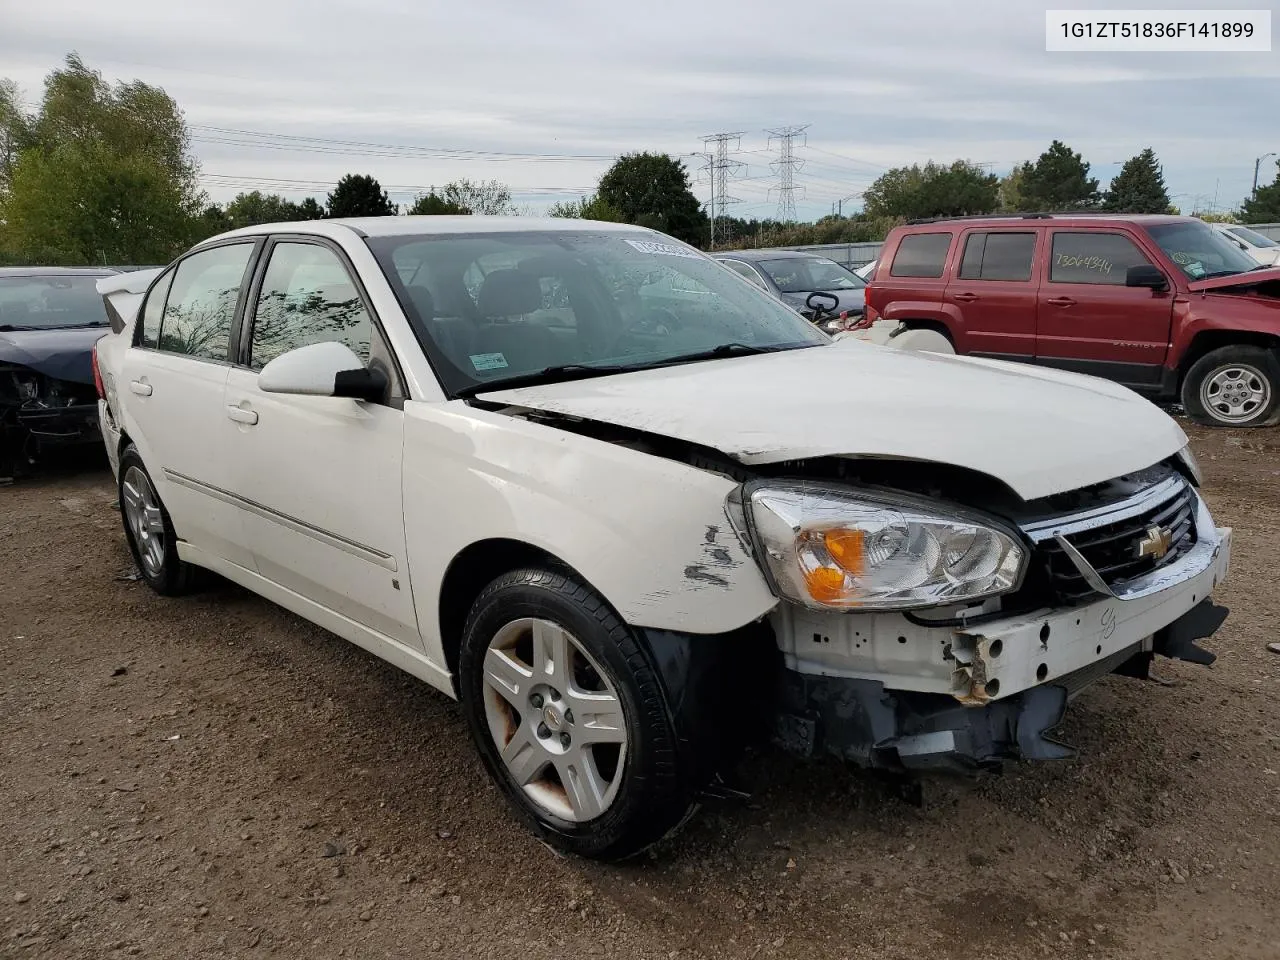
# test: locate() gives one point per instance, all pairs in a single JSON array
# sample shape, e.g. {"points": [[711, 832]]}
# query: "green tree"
{"points": [[1138, 187], [490, 198], [15, 129], [1010, 197], [934, 190], [251, 209], [1058, 180], [652, 190], [431, 204], [309, 209], [1263, 206], [360, 195], [102, 174], [587, 208]]}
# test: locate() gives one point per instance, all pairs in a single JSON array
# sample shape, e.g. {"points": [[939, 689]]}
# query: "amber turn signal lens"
{"points": [[825, 584], [845, 547]]}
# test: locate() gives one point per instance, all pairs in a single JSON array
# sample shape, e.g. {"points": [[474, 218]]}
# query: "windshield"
{"points": [[1252, 237], [49, 302], [806, 274], [495, 307], [1200, 251]]}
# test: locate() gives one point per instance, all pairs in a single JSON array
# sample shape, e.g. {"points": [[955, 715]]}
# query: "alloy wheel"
{"points": [[142, 513], [1235, 393]]}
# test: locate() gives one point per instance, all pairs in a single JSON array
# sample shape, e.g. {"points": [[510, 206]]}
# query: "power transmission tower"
{"points": [[720, 167], [787, 165]]}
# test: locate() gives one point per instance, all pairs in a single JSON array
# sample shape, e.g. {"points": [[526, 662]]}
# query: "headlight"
{"points": [[1193, 466], [835, 548]]}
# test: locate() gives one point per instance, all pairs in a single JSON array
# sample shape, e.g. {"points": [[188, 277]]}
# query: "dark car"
{"points": [[791, 275], [50, 318]]}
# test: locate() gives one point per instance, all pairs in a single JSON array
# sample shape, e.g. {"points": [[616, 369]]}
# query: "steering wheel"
{"points": [[820, 312]]}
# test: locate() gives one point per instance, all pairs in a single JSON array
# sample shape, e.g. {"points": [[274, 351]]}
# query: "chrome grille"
{"points": [[1111, 546]]}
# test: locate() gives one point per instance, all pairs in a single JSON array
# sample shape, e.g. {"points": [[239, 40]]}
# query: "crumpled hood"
{"points": [[1237, 282], [61, 354], [1040, 431]]}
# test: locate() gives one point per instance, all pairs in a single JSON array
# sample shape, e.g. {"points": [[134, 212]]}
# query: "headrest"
{"points": [[509, 293], [423, 302]]}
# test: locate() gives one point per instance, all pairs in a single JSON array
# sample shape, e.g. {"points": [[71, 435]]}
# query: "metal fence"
{"points": [[854, 255]]}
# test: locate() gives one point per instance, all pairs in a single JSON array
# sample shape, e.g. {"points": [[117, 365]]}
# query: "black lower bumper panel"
{"points": [[863, 722]]}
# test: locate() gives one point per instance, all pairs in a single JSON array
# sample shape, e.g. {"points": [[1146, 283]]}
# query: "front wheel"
{"points": [[1234, 386], [569, 717]]}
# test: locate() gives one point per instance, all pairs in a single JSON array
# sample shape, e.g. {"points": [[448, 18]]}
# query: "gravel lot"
{"points": [[213, 777]]}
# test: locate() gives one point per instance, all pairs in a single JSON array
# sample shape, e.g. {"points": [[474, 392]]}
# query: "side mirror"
{"points": [[328, 369], [1146, 275]]}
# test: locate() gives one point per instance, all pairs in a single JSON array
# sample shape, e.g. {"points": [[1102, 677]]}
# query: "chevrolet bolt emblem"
{"points": [[1156, 543]]}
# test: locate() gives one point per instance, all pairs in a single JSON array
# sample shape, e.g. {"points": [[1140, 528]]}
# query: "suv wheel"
{"points": [[569, 717], [1236, 386], [149, 530]]}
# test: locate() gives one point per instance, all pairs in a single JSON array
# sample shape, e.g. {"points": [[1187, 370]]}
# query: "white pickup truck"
{"points": [[633, 512]]}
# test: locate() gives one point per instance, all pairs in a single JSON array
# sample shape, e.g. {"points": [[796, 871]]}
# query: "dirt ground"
{"points": [[213, 777]]}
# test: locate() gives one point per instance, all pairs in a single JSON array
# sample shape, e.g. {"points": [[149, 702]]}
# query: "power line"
{"points": [[787, 165], [720, 166]]}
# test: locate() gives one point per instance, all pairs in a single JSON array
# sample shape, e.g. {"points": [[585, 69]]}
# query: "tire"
{"points": [[149, 530], [629, 794], [1234, 386]]}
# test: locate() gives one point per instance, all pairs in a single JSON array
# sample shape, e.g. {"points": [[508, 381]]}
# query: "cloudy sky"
{"points": [[287, 95]]}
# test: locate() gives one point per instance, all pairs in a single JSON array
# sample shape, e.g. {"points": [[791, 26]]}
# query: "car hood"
{"points": [[61, 354], [1236, 283], [1039, 431]]}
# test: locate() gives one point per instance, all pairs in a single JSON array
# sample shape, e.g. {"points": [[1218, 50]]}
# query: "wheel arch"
{"points": [[1206, 341]]}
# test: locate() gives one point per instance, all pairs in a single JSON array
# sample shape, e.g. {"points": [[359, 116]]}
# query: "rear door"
{"points": [[319, 478], [1087, 320], [171, 392], [992, 291]]}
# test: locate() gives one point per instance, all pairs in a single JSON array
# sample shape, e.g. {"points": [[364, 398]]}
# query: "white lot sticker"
{"points": [[664, 249], [488, 361]]}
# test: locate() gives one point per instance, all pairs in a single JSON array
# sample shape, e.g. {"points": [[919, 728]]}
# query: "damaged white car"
{"points": [[633, 512]]}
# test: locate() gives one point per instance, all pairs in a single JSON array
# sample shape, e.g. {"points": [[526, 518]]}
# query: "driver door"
{"points": [[319, 478]]}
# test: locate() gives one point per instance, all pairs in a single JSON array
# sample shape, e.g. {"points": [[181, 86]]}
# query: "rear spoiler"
{"points": [[122, 294]]}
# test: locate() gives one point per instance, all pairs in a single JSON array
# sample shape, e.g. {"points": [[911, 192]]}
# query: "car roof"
{"points": [[437, 226], [768, 255], [1077, 219], [57, 271]]}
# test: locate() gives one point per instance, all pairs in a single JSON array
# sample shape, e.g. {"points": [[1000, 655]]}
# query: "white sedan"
{"points": [[1261, 248], [634, 513]]}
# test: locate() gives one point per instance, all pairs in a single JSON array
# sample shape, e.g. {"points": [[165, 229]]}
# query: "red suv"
{"points": [[1164, 305]]}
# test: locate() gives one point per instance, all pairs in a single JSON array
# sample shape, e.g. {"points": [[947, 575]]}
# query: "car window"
{"points": [[807, 274], [153, 311], [202, 302], [743, 270], [921, 255], [1252, 237], [307, 297], [998, 256], [1083, 257], [493, 306], [1199, 250], [51, 301]]}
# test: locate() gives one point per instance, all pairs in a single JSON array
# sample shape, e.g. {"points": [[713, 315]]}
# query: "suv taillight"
{"points": [[97, 375], [872, 314]]}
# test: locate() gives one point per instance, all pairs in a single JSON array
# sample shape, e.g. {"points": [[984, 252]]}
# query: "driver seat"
{"points": [[506, 298]]}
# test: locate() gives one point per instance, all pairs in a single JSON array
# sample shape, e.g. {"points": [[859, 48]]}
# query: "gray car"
{"points": [[791, 276]]}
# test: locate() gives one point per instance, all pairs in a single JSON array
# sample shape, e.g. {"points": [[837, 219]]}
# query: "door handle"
{"points": [[964, 297], [1060, 302], [242, 414], [140, 387]]}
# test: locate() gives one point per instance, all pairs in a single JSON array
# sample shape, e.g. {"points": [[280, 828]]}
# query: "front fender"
{"points": [[650, 534]]}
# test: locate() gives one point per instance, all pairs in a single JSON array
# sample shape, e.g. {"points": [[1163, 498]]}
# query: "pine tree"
{"points": [[1139, 186], [1059, 180]]}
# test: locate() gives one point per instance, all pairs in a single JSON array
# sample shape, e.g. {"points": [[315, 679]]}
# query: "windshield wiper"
{"points": [[554, 374], [11, 327]]}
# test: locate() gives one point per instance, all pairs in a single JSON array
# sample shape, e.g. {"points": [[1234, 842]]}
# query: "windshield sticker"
{"points": [[663, 249], [488, 361], [1100, 264]]}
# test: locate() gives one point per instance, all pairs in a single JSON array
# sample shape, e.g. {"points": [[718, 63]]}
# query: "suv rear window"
{"points": [[998, 256], [921, 255]]}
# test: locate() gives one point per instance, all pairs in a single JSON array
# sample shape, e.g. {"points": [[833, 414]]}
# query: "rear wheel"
{"points": [[569, 717], [1234, 386], [149, 530]]}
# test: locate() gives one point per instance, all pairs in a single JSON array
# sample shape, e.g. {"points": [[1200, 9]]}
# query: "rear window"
{"points": [[921, 255], [998, 256]]}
